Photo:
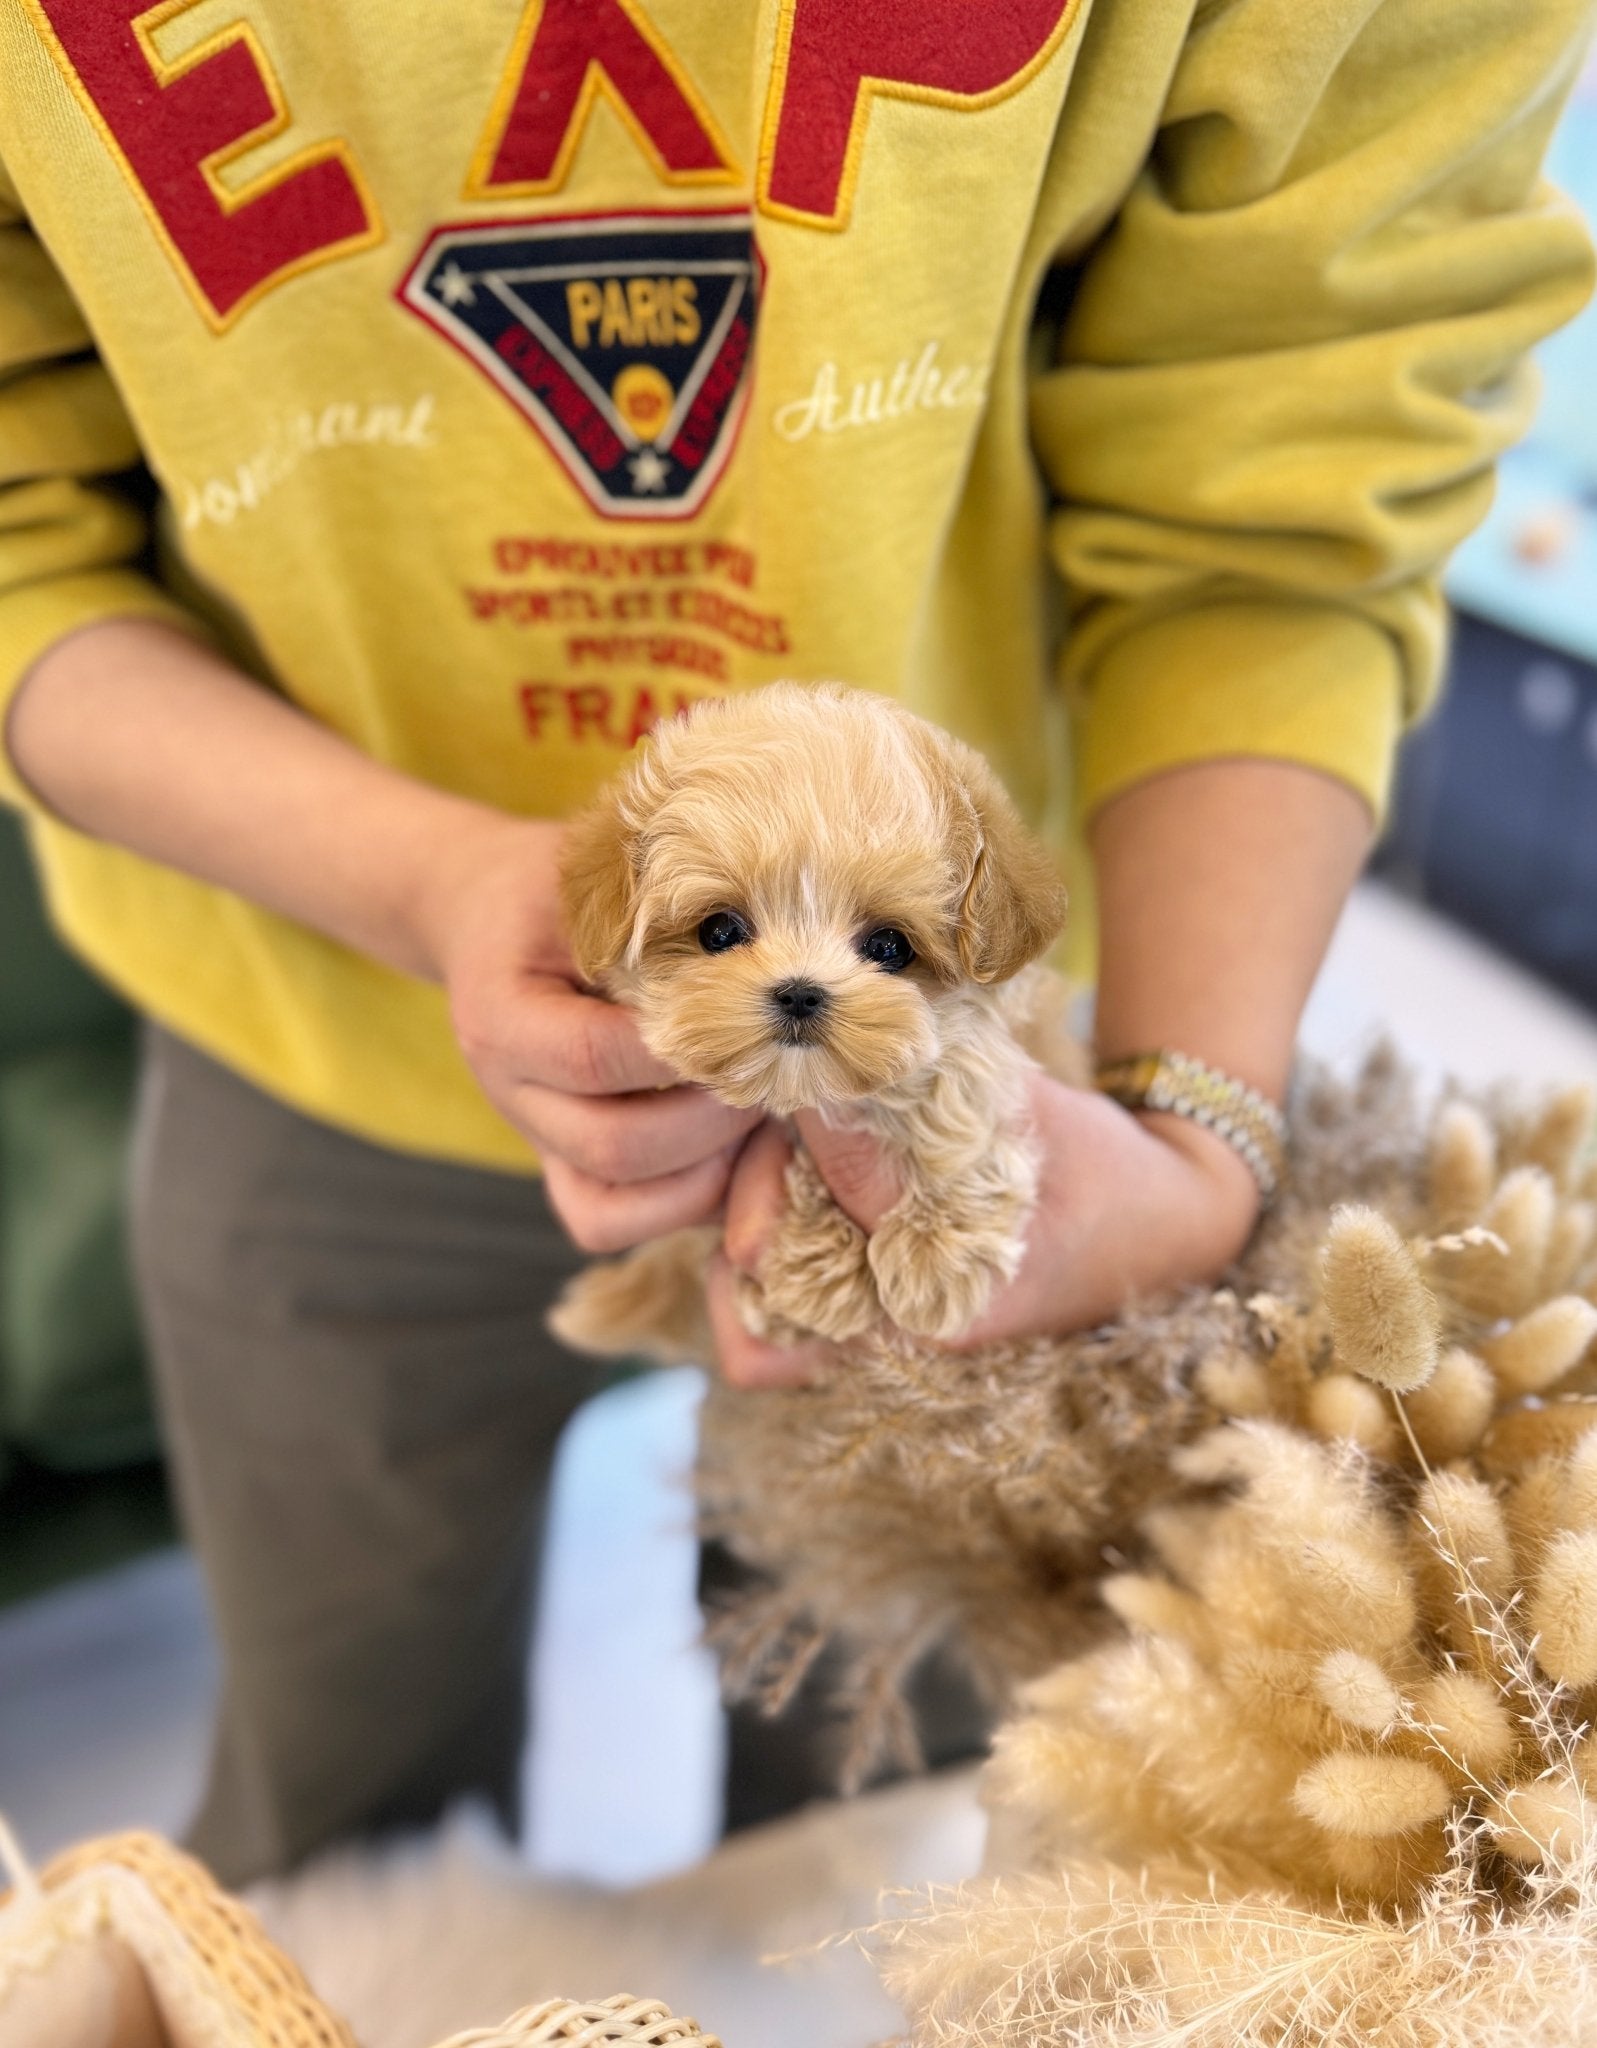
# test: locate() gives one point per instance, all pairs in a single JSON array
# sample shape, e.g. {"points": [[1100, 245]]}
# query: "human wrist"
{"points": [[1150, 1046], [1232, 1197], [1167, 1079], [1225, 1193], [453, 851], [136, 734], [1219, 887]]}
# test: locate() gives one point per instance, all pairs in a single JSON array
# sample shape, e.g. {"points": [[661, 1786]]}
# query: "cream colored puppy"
{"points": [[811, 899]]}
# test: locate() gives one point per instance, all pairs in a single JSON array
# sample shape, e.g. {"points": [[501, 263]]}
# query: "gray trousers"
{"points": [[361, 1406]]}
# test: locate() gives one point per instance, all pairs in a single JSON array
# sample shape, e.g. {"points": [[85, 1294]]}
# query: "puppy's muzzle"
{"points": [[800, 1007]]}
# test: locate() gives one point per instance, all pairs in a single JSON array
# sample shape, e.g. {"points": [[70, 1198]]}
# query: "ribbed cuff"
{"points": [[1283, 682]]}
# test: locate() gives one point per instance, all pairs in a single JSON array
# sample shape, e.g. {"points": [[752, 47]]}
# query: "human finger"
{"points": [[757, 1198], [622, 1139], [537, 1028], [863, 1181], [600, 1217], [748, 1361]]}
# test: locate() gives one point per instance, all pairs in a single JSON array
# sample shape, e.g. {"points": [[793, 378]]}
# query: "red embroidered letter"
{"points": [[174, 125], [566, 52], [833, 55]]}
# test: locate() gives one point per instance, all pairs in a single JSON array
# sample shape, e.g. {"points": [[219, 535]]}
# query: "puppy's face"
{"points": [[788, 975], [789, 886]]}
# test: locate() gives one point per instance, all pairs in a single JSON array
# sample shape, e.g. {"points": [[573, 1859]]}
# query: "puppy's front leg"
{"points": [[939, 1253], [814, 1277], [970, 1165], [648, 1303]]}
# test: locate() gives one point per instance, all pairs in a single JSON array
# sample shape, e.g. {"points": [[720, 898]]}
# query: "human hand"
{"points": [[1126, 1205], [627, 1152]]}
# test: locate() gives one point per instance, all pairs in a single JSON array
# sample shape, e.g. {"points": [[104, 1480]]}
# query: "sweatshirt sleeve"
{"points": [[67, 542], [1287, 371]]}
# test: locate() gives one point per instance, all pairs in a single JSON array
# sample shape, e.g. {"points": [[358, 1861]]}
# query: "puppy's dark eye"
{"points": [[887, 948], [722, 930]]}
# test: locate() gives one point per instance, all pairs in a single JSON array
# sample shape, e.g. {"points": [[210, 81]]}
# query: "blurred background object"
{"points": [[1495, 822], [80, 1481]]}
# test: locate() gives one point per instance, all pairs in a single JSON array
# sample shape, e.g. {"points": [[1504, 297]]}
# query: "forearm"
{"points": [[134, 733], [1219, 887]]}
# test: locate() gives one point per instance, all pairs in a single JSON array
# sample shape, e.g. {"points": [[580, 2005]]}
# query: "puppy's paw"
{"points": [[934, 1274], [923, 1288], [815, 1274], [649, 1303], [758, 1317]]}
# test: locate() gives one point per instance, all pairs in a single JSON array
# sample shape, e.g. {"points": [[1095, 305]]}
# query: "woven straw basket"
{"points": [[126, 1943]]}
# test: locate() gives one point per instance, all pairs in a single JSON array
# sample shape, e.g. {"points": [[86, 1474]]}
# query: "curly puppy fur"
{"points": [[813, 817]]}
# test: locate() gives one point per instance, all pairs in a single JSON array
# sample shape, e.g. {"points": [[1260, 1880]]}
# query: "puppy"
{"points": [[812, 899]]}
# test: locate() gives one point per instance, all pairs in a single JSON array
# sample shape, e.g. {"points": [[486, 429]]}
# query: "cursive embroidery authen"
{"points": [[915, 384]]}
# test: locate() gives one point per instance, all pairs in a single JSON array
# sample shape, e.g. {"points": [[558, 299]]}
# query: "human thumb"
{"points": [[863, 1180]]}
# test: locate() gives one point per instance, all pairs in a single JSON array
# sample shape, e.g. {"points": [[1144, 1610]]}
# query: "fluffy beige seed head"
{"points": [[1342, 1408], [1464, 1523], [1521, 1214], [1384, 1319], [1569, 1247], [1250, 1451], [1516, 1439], [1358, 1691], [1533, 1354], [1152, 1605], [1578, 1494], [1237, 1385], [1311, 1555], [1179, 1533], [1295, 1335], [1350, 1794], [1450, 1413], [1557, 1140], [1563, 1608], [1462, 1554], [1548, 1821], [1535, 1509], [1462, 1167], [1349, 1592], [1273, 1715], [1469, 1721], [1383, 1872]]}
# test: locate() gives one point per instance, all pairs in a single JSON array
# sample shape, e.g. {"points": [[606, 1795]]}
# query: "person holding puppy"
{"points": [[1107, 384]]}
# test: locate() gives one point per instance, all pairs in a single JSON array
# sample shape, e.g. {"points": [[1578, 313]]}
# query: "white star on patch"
{"points": [[455, 288], [649, 473]]}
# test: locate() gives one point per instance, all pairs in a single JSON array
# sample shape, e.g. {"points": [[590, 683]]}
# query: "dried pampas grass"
{"points": [[1105, 1958], [1334, 1779], [1472, 1796], [1314, 1761], [915, 1498]]}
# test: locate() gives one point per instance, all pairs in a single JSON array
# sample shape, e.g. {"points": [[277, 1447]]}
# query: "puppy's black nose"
{"points": [[799, 1001]]}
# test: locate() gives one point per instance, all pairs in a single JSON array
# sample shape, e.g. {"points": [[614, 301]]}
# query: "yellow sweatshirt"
{"points": [[1106, 378]]}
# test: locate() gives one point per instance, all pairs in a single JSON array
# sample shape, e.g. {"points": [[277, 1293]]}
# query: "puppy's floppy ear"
{"points": [[599, 883], [1014, 904]]}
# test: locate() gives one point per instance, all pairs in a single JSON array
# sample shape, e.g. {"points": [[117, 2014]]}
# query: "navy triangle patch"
{"points": [[626, 340]]}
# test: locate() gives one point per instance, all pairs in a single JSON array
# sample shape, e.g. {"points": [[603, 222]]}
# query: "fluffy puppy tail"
{"points": [[649, 1304]]}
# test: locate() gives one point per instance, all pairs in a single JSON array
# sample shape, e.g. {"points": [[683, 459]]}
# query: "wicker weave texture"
{"points": [[268, 2002], [255, 1980], [640, 2022]]}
